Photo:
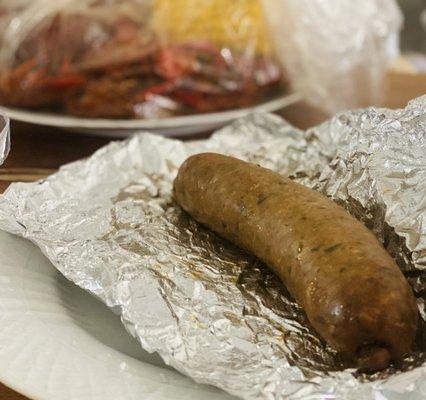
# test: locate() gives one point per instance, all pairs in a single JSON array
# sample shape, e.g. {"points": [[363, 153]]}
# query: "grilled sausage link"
{"points": [[352, 291]]}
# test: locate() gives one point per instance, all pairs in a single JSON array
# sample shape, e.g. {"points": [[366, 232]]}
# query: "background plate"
{"points": [[175, 126], [59, 343]]}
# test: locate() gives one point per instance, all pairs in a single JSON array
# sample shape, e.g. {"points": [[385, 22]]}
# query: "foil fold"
{"points": [[214, 313]]}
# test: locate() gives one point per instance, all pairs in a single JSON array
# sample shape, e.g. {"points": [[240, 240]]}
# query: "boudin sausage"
{"points": [[352, 291]]}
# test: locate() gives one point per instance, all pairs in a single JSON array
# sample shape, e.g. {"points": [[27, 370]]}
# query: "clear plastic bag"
{"points": [[4, 138], [336, 51], [137, 58], [155, 58]]}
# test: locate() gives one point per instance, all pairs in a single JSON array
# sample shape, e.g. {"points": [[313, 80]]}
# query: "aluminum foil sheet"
{"points": [[214, 313]]}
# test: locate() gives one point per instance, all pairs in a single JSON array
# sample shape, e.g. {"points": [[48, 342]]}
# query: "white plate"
{"points": [[175, 126], [59, 343]]}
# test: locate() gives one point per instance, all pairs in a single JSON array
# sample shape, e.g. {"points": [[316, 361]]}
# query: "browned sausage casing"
{"points": [[352, 291]]}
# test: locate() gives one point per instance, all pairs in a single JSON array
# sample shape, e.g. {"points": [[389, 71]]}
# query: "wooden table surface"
{"points": [[36, 151]]}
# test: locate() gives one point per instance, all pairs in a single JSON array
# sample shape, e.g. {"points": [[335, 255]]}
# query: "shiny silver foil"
{"points": [[211, 311]]}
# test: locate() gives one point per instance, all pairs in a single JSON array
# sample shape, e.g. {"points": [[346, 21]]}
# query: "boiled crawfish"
{"points": [[129, 74]]}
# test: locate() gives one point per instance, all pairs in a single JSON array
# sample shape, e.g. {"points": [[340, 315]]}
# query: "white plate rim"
{"points": [[64, 121], [36, 392]]}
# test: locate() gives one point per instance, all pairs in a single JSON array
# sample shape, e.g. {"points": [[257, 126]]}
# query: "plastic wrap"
{"points": [[216, 314], [336, 52], [8, 10], [156, 58], [4, 138], [137, 58]]}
